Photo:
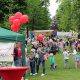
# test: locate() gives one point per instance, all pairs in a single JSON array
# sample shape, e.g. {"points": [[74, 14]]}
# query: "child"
{"points": [[77, 60], [27, 60], [66, 58], [32, 62], [51, 61]]}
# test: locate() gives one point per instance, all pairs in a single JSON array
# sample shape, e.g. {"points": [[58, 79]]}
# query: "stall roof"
{"points": [[43, 30], [8, 35]]}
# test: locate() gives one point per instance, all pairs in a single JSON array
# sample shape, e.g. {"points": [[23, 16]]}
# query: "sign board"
{"points": [[43, 32], [64, 33], [6, 50]]}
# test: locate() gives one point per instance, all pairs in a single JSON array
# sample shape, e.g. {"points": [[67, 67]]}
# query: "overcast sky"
{"points": [[53, 7]]}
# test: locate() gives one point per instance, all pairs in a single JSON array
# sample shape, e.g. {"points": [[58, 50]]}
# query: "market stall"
{"points": [[9, 36]]}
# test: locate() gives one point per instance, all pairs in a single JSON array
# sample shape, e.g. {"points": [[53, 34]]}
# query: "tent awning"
{"points": [[7, 35]]}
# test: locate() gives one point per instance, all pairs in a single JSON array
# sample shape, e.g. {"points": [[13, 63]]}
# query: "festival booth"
{"points": [[9, 36], [67, 35], [46, 33], [7, 41], [64, 35], [12, 73]]}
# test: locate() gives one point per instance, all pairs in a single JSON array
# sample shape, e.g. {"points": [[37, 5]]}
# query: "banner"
{"points": [[6, 51], [64, 34]]}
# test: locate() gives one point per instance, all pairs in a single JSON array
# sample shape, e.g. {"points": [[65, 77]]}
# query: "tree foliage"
{"points": [[8, 8], [39, 15], [68, 15], [37, 11]]}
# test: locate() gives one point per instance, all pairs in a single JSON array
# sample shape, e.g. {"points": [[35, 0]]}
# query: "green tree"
{"points": [[10, 7], [68, 15], [39, 15], [64, 15], [76, 15], [37, 11]]}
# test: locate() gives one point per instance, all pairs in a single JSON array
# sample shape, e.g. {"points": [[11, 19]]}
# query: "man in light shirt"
{"points": [[66, 58]]}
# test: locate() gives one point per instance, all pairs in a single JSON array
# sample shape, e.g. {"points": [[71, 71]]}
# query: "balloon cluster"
{"points": [[17, 20]]}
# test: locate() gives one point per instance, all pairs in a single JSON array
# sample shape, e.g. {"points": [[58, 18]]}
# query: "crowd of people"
{"points": [[47, 49]]}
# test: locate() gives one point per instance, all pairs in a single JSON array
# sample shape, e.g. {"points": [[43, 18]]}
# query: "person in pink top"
{"points": [[61, 45], [78, 46]]}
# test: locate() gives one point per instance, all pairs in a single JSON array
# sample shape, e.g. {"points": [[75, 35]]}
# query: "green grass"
{"points": [[60, 73]]}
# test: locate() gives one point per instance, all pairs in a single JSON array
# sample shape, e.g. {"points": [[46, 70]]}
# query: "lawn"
{"points": [[60, 73]]}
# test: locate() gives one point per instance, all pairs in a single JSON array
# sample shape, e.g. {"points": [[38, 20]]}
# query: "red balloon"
{"points": [[14, 28], [40, 37], [18, 15], [24, 19], [16, 22], [11, 19]]}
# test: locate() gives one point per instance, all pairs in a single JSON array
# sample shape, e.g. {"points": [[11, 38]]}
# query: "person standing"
{"points": [[77, 58], [35, 47], [19, 53], [15, 55], [61, 45], [32, 63], [51, 59], [66, 58], [78, 46], [41, 58]]}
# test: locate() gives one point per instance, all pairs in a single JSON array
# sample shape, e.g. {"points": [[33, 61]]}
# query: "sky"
{"points": [[53, 7]]}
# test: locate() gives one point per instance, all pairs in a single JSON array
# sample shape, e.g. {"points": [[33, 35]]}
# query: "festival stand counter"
{"points": [[12, 73]]}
